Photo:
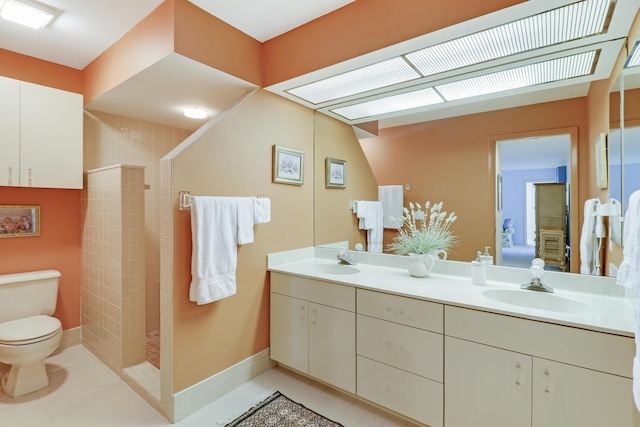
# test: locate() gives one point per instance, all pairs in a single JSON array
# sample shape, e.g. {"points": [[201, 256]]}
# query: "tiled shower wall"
{"points": [[113, 282], [111, 140]]}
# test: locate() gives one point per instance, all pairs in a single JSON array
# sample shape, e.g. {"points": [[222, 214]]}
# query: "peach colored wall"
{"points": [[234, 159], [452, 160], [57, 247], [148, 42], [334, 221], [359, 28], [213, 42], [29, 69]]}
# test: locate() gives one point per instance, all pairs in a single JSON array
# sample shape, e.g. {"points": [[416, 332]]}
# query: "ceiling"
{"points": [[85, 29]]}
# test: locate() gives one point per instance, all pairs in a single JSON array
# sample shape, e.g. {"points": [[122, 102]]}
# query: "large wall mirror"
{"points": [[624, 140]]}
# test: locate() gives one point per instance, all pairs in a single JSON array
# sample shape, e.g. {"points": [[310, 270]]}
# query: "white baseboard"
{"points": [[196, 397]]}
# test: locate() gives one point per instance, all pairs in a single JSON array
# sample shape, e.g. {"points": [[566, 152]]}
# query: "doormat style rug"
{"points": [[279, 411]]}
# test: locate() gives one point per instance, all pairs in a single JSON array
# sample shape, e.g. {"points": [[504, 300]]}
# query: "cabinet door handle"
{"points": [[396, 347], [399, 393], [10, 180], [302, 315], [30, 177], [547, 384], [396, 310], [518, 376], [314, 316]]}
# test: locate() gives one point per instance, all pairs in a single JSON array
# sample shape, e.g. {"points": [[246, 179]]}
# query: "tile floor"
{"points": [[85, 393]]}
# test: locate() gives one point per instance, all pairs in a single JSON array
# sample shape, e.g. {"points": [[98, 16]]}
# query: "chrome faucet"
{"points": [[537, 270], [345, 258]]}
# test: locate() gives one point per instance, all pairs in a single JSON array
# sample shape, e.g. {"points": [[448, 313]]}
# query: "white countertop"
{"points": [[602, 305]]}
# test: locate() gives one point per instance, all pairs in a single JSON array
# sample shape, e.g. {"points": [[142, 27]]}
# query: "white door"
{"points": [[332, 346], [486, 386], [566, 395], [289, 333]]}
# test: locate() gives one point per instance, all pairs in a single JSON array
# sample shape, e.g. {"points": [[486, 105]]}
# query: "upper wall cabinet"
{"points": [[40, 136]]}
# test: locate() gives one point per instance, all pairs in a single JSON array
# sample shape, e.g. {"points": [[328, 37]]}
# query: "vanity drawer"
{"points": [[408, 394], [325, 293], [411, 349], [407, 311], [588, 349]]}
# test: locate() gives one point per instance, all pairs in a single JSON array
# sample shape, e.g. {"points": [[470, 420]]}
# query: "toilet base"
{"points": [[21, 380]]}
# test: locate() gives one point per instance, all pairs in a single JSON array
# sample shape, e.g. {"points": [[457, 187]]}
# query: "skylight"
{"points": [[568, 67], [571, 22]]}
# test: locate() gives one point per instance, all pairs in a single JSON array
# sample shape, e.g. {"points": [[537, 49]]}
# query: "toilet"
{"points": [[28, 332]]}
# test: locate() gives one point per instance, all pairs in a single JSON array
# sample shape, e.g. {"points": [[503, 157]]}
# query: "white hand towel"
{"points": [[588, 236], [375, 229], [371, 219], [245, 220], [629, 271], [392, 198], [261, 210], [214, 235]]}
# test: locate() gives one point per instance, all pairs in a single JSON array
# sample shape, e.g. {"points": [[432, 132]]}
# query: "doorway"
{"points": [[520, 163]]}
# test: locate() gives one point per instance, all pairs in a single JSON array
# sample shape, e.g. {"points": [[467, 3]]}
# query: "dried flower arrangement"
{"points": [[433, 233]]}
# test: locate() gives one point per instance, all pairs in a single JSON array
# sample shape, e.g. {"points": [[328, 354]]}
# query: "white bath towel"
{"points": [[245, 220], [629, 277], [261, 210], [392, 198], [214, 235], [588, 240], [371, 219]]}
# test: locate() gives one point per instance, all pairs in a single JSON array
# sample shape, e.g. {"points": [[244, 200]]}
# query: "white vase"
{"points": [[420, 265]]}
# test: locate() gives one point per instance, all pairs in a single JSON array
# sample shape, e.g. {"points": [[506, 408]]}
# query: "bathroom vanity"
{"points": [[444, 352]]}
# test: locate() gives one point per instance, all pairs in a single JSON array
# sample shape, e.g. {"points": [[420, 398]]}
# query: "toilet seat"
{"points": [[29, 330]]}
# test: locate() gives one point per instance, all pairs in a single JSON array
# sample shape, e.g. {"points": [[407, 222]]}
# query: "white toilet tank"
{"points": [[28, 294]]}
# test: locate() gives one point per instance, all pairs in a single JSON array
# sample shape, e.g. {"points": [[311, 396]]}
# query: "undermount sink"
{"points": [[332, 269], [537, 300]]}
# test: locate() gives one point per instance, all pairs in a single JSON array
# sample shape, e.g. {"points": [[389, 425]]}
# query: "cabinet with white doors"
{"points": [[502, 371], [400, 355], [312, 329], [41, 140]]}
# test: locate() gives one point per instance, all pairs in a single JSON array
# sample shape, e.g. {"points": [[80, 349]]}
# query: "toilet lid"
{"points": [[29, 329]]}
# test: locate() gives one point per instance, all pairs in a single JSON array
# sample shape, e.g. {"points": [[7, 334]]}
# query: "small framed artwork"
{"points": [[288, 165], [602, 179], [336, 174], [19, 221]]}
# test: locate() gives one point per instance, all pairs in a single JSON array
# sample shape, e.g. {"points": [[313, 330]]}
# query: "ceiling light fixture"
{"points": [[571, 22], [549, 71], [390, 104], [528, 75], [28, 13], [195, 113], [634, 57], [381, 74]]}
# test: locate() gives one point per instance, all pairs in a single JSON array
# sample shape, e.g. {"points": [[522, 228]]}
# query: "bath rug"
{"points": [[279, 411]]}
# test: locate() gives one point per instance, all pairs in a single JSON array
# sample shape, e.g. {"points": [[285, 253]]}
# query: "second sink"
{"points": [[536, 300], [332, 269]]}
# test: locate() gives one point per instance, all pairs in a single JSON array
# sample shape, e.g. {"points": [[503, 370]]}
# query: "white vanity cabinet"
{"points": [[400, 355], [502, 371], [312, 329], [42, 146]]}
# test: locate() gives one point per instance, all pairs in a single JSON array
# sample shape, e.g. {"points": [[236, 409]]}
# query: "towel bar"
{"points": [[186, 202]]}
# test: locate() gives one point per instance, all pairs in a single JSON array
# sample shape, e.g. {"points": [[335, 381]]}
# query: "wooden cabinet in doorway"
{"points": [[551, 223]]}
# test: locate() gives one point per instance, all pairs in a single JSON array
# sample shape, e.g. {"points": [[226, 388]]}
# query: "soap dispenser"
{"points": [[478, 271], [486, 257]]}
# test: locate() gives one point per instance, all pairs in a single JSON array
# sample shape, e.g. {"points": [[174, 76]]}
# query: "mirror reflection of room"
{"points": [[534, 195]]}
